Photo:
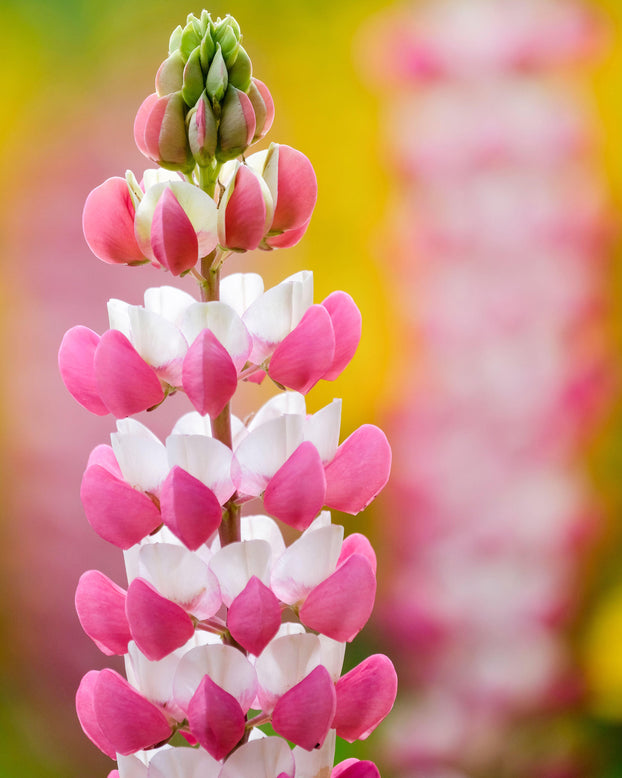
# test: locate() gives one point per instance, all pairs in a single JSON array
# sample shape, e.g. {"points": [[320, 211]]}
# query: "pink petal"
{"points": [[117, 512], [158, 625], [100, 605], [365, 696], [103, 455], [355, 768], [86, 714], [359, 470], [189, 509], [254, 616], [244, 222], [140, 122], [304, 713], [304, 356], [347, 322], [357, 544], [126, 383], [108, 223], [216, 718], [340, 606], [76, 364], [173, 238], [295, 493], [263, 106], [209, 375], [128, 720], [287, 239], [293, 188]]}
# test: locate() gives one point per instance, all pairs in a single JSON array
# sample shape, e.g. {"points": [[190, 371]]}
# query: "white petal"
{"points": [[119, 317], [158, 175], [262, 527], [306, 563], [283, 403], [159, 342], [201, 210], [317, 763], [141, 456], [225, 665], [322, 429], [275, 314], [131, 767], [193, 424], [235, 564], [168, 301], [264, 450], [180, 576], [283, 663], [333, 654], [240, 290], [184, 763], [205, 458], [152, 679], [268, 757]]}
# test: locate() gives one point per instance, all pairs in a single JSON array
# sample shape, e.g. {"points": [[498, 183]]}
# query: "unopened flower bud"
{"points": [[190, 38], [202, 132], [293, 186], [160, 131], [237, 125], [263, 105], [217, 77], [244, 211], [241, 70], [228, 37], [192, 79], [108, 223], [170, 75]]}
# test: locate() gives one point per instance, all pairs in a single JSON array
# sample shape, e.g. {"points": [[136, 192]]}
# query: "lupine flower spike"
{"points": [[224, 629]]}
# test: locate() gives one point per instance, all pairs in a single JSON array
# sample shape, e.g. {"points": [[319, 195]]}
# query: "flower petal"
{"points": [[158, 625], [254, 616], [76, 358], [347, 323], [117, 512], [209, 376], [305, 355], [215, 718], [189, 509], [365, 696], [304, 713], [359, 470], [100, 605], [125, 382], [295, 494]]}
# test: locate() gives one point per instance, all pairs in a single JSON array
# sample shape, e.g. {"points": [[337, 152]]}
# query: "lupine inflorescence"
{"points": [[223, 627]]}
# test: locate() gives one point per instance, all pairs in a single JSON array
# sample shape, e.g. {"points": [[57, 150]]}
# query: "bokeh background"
{"points": [[72, 75]]}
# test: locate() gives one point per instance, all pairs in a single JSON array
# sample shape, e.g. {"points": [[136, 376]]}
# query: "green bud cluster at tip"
{"points": [[205, 55]]}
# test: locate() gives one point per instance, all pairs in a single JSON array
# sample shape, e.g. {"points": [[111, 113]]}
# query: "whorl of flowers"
{"points": [[224, 629]]}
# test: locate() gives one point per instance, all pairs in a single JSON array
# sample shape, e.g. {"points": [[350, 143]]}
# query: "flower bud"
{"points": [[160, 131], [170, 75], [237, 125], [176, 225], [244, 209], [227, 34], [202, 132], [108, 223], [192, 79], [217, 77], [263, 105], [241, 70]]}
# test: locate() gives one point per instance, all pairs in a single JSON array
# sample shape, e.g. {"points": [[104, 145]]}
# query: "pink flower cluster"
{"points": [[223, 627], [498, 233]]}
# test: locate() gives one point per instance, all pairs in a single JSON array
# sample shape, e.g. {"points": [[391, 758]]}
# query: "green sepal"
{"points": [[207, 51], [175, 39], [217, 78], [170, 75], [241, 71], [193, 79], [189, 41], [229, 43]]}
